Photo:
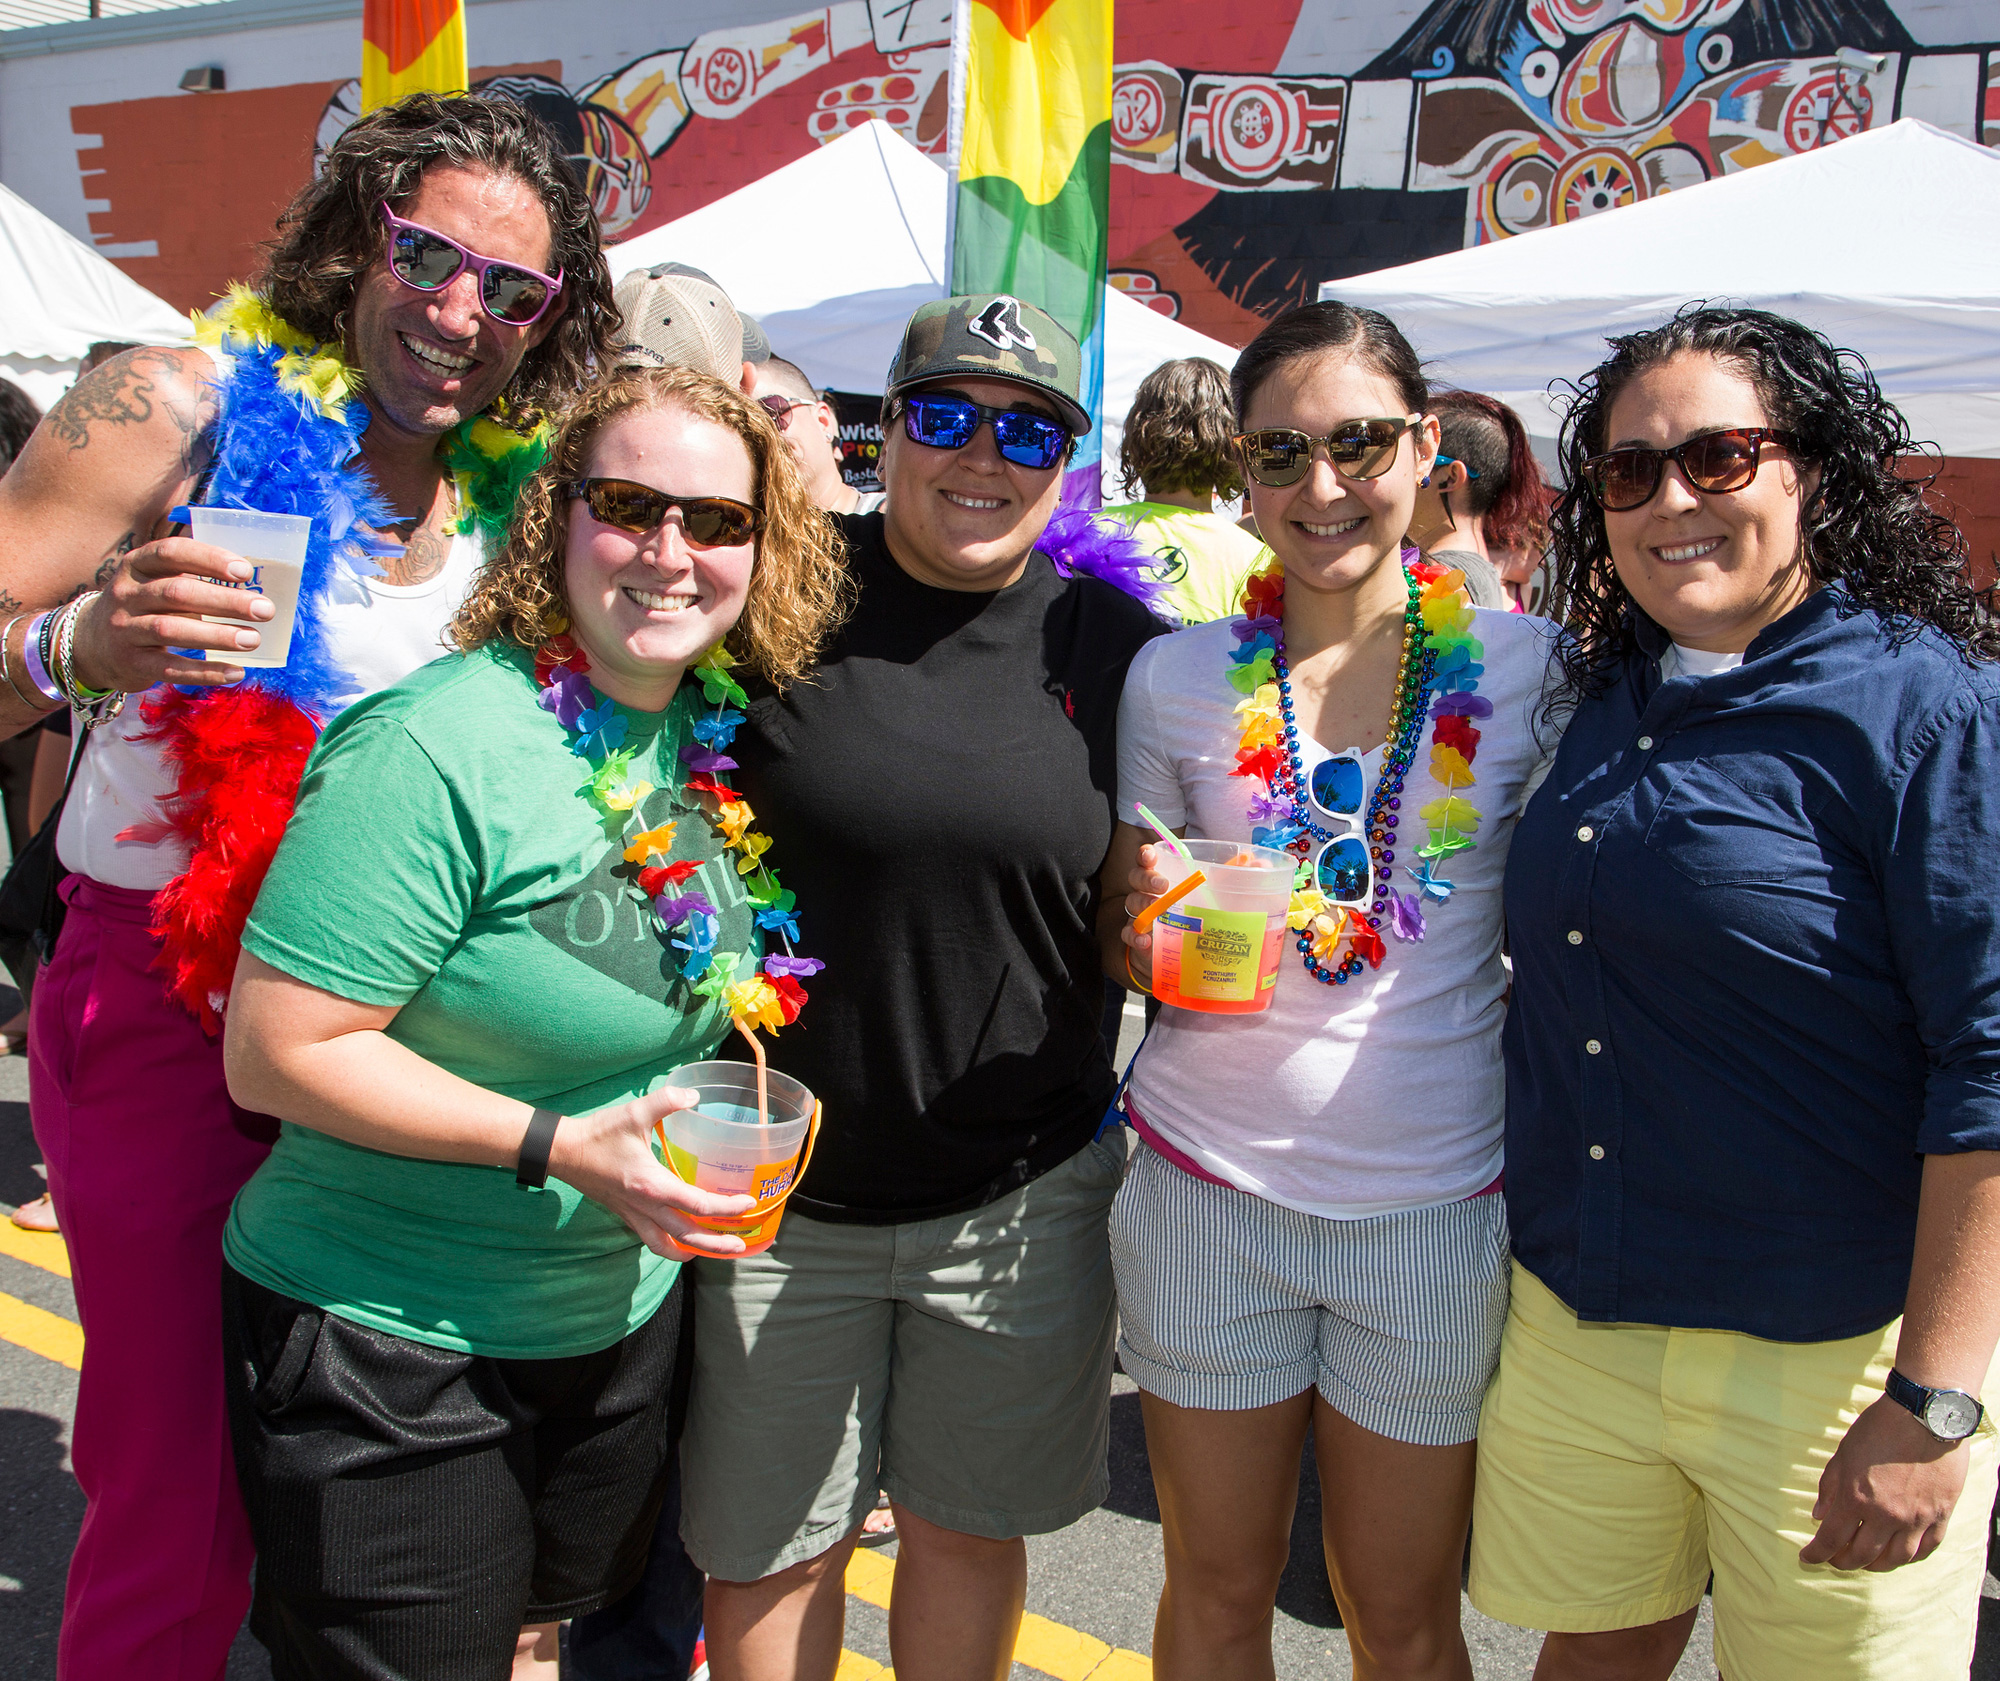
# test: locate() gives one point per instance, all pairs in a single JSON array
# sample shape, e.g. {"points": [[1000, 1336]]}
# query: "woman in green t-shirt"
{"points": [[513, 898]]}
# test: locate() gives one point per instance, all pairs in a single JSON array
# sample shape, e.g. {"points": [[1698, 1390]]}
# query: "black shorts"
{"points": [[414, 1507]]}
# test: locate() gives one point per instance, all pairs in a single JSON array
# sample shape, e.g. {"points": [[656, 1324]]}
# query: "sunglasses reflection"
{"points": [[706, 521]]}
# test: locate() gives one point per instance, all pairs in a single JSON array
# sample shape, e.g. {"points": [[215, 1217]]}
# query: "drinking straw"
{"points": [[1167, 900], [763, 1076], [1168, 838]]}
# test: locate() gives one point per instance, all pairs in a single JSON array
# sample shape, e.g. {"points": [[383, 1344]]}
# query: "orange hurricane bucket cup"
{"points": [[719, 1146], [1218, 948]]}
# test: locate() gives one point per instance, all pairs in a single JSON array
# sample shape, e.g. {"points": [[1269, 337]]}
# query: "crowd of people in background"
{"points": [[1612, 1177]]}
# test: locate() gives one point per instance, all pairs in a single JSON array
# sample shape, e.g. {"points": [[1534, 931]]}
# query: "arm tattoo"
{"points": [[106, 571], [125, 392], [10, 603], [108, 567]]}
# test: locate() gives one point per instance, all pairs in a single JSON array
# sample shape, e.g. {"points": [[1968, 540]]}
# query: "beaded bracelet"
{"points": [[35, 657]]}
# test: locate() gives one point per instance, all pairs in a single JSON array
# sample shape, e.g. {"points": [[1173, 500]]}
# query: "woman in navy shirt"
{"points": [[1753, 1057]]}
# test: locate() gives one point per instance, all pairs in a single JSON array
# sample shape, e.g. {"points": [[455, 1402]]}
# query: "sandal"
{"points": [[36, 1216], [878, 1528]]}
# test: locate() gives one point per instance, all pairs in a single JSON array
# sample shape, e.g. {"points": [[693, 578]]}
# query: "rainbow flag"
{"points": [[1032, 212], [411, 46]]}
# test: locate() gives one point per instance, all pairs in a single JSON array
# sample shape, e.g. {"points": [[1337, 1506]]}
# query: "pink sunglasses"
{"points": [[426, 261]]}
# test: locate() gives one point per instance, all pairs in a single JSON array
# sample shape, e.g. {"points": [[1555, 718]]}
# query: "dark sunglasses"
{"points": [[708, 521], [426, 261], [780, 409], [1024, 437], [1361, 449], [1625, 479]]}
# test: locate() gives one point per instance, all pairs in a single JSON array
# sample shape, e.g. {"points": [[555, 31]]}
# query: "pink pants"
{"points": [[145, 1152]]}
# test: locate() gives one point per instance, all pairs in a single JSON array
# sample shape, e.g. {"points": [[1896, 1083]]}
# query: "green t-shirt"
{"points": [[443, 860], [1207, 556]]}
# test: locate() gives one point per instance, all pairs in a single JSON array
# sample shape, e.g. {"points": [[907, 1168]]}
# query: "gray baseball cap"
{"points": [[675, 316], [992, 336]]}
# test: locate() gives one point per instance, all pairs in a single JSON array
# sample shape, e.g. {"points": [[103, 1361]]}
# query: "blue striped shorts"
{"points": [[1226, 1302]]}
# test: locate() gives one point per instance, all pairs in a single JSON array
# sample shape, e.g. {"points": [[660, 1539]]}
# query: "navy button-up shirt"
{"points": [[1755, 923]]}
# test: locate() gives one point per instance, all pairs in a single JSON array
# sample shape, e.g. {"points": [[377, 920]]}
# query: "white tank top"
{"points": [[381, 638]]}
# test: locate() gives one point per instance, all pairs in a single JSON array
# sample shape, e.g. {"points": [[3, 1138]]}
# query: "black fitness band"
{"points": [[532, 1171]]}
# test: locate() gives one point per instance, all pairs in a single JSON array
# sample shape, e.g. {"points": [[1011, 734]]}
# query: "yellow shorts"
{"points": [[1620, 1464]]}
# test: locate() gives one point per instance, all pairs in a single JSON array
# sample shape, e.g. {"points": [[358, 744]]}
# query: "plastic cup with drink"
{"points": [[721, 1145], [1217, 947], [275, 547]]}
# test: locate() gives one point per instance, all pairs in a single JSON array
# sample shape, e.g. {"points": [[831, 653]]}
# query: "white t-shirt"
{"points": [[110, 828], [1693, 662], [1386, 1093]]}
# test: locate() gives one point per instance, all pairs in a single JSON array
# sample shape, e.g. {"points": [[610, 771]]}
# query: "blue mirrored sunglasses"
{"points": [[1024, 437]]}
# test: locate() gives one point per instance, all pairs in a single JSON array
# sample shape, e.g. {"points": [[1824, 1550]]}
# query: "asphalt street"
{"points": [[1101, 1576]]}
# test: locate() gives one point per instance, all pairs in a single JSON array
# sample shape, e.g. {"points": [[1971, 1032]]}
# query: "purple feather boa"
{"points": [[1081, 542]]}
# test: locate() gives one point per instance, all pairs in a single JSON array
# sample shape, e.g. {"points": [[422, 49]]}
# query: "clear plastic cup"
{"points": [[719, 1146], [1218, 950], [275, 546]]}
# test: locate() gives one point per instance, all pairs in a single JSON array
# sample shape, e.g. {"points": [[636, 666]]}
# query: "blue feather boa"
{"points": [[277, 452]]}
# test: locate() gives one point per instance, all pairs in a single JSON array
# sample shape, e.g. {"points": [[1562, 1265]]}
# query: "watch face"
{"points": [[1950, 1416]]}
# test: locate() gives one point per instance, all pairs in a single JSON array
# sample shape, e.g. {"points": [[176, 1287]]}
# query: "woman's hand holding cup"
{"points": [[1146, 884], [608, 1156]]}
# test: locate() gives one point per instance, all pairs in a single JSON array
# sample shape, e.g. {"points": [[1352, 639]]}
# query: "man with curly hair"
{"points": [[445, 264]]}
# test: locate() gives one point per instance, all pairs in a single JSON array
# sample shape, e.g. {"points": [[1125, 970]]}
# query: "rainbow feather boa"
{"points": [[286, 438]]}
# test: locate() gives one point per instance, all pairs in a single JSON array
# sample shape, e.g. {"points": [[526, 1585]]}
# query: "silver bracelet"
{"points": [[6, 665], [63, 667]]}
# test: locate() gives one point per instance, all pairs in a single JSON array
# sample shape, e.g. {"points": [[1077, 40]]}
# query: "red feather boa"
{"points": [[237, 756]]}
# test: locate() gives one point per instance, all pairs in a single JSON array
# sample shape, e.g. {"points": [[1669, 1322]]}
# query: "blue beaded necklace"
{"points": [[1414, 676]]}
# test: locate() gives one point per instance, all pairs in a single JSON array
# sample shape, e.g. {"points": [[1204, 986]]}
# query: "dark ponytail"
{"points": [[1311, 329]]}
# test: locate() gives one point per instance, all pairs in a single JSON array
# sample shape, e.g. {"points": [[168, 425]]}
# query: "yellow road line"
{"points": [[39, 1249], [41, 1332], [854, 1667], [1064, 1653]]}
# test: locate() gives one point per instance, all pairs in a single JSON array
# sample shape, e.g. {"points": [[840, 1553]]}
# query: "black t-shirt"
{"points": [[940, 794]]}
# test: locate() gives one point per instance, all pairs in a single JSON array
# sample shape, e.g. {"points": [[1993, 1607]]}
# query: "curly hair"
{"points": [[1509, 493], [1863, 523], [332, 232], [799, 587], [1177, 435]]}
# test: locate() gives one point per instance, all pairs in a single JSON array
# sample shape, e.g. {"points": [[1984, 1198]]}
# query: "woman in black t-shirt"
{"points": [[936, 1317]]}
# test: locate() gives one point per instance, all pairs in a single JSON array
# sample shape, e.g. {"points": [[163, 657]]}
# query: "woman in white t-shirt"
{"points": [[1307, 1237]]}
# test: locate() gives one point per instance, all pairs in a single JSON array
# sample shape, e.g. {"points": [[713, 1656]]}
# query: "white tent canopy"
{"points": [[1887, 242], [833, 252], [58, 297]]}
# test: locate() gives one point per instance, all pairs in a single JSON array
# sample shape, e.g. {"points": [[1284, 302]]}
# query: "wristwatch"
{"points": [[1948, 1414]]}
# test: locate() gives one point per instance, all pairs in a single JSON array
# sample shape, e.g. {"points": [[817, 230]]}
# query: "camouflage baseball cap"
{"points": [[992, 336]]}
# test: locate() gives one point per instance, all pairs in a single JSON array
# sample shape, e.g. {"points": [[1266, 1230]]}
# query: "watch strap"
{"points": [[1915, 1399], [531, 1171]]}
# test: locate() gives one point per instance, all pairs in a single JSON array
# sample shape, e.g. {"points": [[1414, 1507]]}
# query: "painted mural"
{"points": [[1256, 157]]}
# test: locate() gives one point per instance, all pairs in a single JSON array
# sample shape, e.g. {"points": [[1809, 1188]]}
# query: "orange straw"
{"points": [[763, 1075], [1167, 900]]}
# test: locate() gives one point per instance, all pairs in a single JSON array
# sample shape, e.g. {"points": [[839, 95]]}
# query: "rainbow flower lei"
{"points": [[1441, 655], [689, 921]]}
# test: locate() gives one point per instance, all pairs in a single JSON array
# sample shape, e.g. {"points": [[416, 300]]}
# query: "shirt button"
{"points": [[1597, 1152], [1645, 744], [1593, 1046], [1585, 833], [1575, 937]]}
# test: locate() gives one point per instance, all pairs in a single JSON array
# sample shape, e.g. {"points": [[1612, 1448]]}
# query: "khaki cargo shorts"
{"points": [[962, 1364]]}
